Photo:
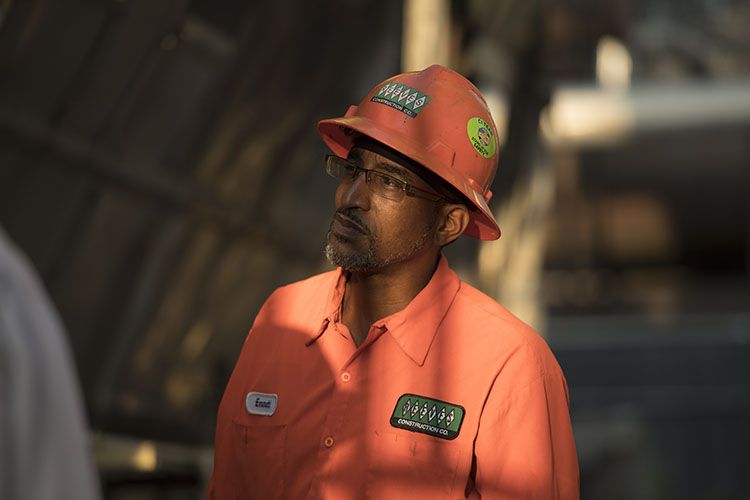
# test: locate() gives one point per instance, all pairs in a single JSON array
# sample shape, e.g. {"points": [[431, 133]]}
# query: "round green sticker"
{"points": [[481, 136]]}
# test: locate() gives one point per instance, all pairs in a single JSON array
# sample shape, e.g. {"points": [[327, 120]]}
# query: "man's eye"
{"points": [[389, 182]]}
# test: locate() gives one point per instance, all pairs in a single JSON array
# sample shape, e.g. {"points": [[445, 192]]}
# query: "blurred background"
{"points": [[160, 166]]}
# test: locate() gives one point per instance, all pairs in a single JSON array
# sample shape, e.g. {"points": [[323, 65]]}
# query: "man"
{"points": [[389, 377]]}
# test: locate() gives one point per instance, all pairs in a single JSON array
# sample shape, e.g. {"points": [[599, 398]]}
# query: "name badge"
{"points": [[259, 403]]}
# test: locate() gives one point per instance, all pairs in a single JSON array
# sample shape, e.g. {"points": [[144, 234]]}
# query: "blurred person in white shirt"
{"points": [[44, 444]]}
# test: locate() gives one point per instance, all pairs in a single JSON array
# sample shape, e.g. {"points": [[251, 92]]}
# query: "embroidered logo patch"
{"points": [[401, 97], [258, 403], [428, 416]]}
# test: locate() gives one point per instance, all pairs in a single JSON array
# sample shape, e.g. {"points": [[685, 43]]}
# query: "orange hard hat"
{"points": [[437, 118]]}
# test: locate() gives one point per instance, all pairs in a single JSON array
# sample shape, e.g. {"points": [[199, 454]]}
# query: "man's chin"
{"points": [[338, 255]]}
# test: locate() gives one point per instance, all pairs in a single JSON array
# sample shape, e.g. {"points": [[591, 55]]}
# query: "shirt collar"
{"points": [[332, 308], [415, 326]]}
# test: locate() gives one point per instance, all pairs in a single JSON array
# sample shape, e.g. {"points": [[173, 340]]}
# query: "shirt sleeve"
{"points": [[524, 447], [217, 485]]}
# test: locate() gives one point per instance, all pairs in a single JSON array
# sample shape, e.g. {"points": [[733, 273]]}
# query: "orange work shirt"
{"points": [[452, 397]]}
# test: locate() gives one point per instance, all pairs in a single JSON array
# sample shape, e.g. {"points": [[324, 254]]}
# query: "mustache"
{"points": [[352, 215]]}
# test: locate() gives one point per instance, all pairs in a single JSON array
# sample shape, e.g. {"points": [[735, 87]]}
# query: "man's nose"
{"points": [[356, 193]]}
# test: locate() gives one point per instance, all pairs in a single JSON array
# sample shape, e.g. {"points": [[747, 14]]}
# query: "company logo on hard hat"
{"points": [[481, 136], [401, 97], [484, 136]]}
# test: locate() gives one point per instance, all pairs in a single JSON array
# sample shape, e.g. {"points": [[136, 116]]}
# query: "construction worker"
{"points": [[390, 377]]}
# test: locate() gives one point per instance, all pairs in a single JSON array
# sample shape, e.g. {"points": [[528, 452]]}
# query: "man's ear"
{"points": [[453, 219]]}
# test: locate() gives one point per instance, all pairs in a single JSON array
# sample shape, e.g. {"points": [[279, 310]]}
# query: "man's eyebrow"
{"points": [[356, 155], [390, 167]]}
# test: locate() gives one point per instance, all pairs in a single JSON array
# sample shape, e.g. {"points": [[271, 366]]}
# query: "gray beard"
{"points": [[368, 261]]}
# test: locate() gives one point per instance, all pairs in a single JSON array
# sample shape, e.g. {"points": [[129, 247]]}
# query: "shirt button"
{"points": [[328, 441], [346, 377]]}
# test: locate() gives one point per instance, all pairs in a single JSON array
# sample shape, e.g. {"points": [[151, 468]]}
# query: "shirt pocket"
{"points": [[407, 465], [259, 460]]}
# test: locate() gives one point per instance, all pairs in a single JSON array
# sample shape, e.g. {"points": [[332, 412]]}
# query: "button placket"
{"points": [[340, 401]]}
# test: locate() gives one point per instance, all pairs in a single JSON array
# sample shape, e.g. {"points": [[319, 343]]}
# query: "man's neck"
{"points": [[372, 296]]}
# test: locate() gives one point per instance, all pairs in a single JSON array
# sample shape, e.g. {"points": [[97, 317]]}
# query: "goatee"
{"points": [[367, 260]]}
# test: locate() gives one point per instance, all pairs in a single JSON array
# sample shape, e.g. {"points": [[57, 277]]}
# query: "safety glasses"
{"points": [[379, 183]]}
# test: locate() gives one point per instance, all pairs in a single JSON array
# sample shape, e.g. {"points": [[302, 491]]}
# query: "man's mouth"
{"points": [[348, 223]]}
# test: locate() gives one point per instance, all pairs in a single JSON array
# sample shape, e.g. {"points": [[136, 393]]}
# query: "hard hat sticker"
{"points": [[481, 136], [401, 97]]}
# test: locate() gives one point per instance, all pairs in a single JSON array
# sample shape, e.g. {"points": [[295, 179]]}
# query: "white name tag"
{"points": [[259, 403]]}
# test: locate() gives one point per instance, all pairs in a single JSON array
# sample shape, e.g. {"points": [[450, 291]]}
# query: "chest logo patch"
{"points": [[259, 403], [428, 416]]}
